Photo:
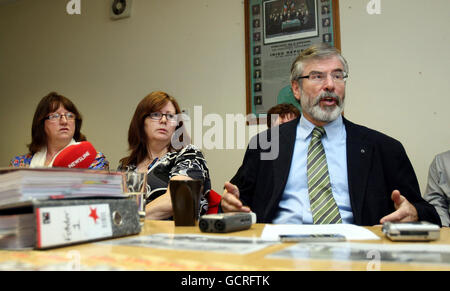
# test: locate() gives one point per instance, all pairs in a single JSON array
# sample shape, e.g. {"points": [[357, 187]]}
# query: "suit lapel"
{"points": [[359, 160], [282, 164]]}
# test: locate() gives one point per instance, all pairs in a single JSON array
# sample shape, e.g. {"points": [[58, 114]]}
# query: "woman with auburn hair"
{"points": [[159, 145], [283, 112], [56, 125]]}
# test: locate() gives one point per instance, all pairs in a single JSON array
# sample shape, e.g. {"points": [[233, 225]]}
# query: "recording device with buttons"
{"points": [[226, 222]]}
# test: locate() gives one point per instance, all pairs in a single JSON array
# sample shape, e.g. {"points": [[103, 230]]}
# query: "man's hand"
{"points": [[405, 211], [230, 199]]}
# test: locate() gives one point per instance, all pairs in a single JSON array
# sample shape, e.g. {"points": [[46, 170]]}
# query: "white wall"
{"points": [[194, 50], [399, 73]]}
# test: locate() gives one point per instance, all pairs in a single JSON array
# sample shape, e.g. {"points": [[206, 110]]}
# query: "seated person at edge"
{"points": [[438, 186], [56, 125], [158, 144], [327, 169], [281, 113]]}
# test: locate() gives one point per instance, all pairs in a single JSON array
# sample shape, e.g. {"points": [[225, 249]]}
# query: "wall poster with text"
{"points": [[276, 32]]}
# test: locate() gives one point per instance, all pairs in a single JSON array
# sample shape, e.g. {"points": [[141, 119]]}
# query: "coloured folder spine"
{"points": [[64, 222]]}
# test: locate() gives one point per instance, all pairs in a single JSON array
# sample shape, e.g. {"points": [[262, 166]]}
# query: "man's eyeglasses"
{"points": [[158, 116], [55, 117], [320, 77]]}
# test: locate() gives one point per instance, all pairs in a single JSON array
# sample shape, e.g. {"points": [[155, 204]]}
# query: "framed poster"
{"points": [[276, 32]]}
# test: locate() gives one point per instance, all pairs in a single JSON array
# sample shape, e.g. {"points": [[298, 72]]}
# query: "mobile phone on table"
{"points": [[330, 237], [411, 231]]}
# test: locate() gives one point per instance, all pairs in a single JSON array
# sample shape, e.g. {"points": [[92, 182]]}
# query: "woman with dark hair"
{"points": [[159, 145], [56, 125]]}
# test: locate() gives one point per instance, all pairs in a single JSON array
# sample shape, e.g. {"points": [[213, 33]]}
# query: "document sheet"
{"points": [[350, 231]]}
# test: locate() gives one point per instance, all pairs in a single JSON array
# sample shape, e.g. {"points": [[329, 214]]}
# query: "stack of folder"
{"points": [[48, 208], [41, 184]]}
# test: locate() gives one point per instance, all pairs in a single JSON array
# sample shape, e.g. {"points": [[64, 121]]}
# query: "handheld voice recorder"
{"points": [[226, 222]]}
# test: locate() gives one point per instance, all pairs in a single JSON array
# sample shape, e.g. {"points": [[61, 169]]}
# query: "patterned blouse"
{"points": [[187, 162], [24, 161]]}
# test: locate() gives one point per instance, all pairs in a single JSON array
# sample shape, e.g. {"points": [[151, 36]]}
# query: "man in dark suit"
{"points": [[325, 169]]}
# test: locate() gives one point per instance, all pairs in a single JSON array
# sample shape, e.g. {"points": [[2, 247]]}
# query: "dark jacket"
{"points": [[376, 163]]}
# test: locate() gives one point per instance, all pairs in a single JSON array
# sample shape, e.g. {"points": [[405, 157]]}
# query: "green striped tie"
{"points": [[323, 206]]}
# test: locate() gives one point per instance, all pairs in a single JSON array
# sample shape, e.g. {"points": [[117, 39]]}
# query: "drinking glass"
{"points": [[135, 185]]}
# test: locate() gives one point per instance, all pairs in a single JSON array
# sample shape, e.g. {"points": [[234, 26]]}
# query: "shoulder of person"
{"points": [[190, 149], [21, 160], [100, 162], [23, 157], [370, 135], [445, 156], [443, 159], [100, 155]]}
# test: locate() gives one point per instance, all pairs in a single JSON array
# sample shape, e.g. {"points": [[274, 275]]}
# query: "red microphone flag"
{"points": [[80, 155], [213, 202]]}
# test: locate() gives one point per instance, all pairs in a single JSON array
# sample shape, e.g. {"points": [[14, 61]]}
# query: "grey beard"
{"points": [[327, 114]]}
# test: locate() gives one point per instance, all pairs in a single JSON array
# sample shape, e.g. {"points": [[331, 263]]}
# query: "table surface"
{"points": [[100, 256]]}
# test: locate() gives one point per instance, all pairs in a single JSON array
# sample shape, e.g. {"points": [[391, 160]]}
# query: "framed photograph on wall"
{"points": [[276, 32], [289, 20]]}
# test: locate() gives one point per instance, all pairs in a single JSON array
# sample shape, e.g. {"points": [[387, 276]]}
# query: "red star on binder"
{"points": [[94, 214]]}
